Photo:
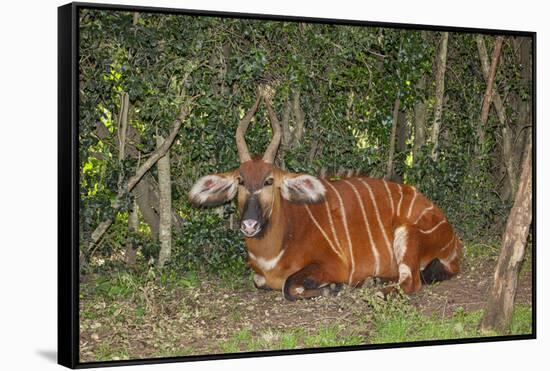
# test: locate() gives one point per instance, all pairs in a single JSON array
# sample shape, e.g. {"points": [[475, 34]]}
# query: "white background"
{"points": [[28, 148]]}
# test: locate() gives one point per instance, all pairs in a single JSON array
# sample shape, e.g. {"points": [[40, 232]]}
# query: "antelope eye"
{"points": [[268, 182]]}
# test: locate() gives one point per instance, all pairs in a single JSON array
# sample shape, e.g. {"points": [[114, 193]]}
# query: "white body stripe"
{"points": [[412, 203], [378, 218], [331, 222], [391, 198], [434, 228], [404, 272], [423, 213], [375, 253], [448, 243], [400, 200], [446, 262], [400, 243], [453, 254], [266, 264], [324, 234], [345, 223]]}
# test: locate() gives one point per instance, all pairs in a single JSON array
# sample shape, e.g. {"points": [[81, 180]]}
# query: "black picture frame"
{"points": [[68, 183]]}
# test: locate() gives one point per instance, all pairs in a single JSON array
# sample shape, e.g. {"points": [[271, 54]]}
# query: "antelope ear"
{"points": [[302, 189], [214, 190]]}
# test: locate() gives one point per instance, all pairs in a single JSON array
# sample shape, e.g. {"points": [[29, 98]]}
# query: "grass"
{"points": [[413, 326], [272, 339], [332, 336], [522, 320], [397, 321], [106, 353], [146, 313]]}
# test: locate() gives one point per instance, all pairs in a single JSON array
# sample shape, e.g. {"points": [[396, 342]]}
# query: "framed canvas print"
{"points": [[236, 185]]}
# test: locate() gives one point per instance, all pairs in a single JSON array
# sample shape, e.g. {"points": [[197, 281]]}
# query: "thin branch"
{"points": [[490, 80], [299, 118], [100, 230], [439, 92], [395, 115], [507, 141]]}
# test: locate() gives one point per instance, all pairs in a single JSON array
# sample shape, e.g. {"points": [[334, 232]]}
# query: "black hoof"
{"points": [[335, 288], [310, 284], [434, 272]]}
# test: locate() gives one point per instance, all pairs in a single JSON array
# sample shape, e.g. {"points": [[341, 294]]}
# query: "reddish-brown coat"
{"points": [[292, 228]]}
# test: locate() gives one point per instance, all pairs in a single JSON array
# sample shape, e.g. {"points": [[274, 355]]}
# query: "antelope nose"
{"points": [[250, 227]]}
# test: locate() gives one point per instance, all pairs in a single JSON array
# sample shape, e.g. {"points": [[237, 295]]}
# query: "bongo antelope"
{"points": [[307, 236]]}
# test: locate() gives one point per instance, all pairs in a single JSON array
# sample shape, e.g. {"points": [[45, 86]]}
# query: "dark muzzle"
{"points": [[252, 221]]}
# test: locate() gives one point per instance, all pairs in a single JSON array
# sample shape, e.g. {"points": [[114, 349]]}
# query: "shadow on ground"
{"points": [[49, 355]]}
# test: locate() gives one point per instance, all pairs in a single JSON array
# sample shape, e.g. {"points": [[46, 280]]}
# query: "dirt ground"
{"points": [[467, 290], [202, 320]]}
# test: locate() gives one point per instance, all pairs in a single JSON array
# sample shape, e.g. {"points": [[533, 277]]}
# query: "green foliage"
{"points": [[206, 244], [481, 251], [462, 189], [348, 78]]}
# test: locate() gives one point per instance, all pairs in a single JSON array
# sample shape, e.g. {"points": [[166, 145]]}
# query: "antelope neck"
{"points": [[269, 246]]}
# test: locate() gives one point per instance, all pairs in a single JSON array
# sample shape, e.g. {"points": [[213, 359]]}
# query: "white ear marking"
{"points": [[213, 188], [302, 188]]}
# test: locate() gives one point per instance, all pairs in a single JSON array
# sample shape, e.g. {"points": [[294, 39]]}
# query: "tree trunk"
{"points": [[299, 119], [498, 312], [286, 138], [135, 18], [507, 132], [400, 144], [133, 228], [419, 120], [486, 68], [122, 126], [165, 206], [508, 159], [148, 204], [100, 230], [487, 98], [219, 62], [291, 136], [395, 118], [123, 123], [439, 91], [146, 191], [523, 130]]}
